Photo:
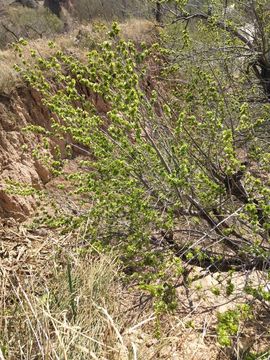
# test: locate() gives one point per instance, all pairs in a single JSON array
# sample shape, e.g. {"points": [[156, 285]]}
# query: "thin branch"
{"points": [[219, 24], [10, 31]]}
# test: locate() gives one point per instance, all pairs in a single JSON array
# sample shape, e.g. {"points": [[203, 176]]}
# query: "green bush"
{"points": [[173, 146]]}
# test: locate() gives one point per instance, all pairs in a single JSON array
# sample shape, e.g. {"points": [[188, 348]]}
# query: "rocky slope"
{"points": [[17, 164]]}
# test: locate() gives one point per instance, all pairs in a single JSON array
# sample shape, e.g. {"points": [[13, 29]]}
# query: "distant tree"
{"points": [[124, 8], [54, 6], [158, 11]]}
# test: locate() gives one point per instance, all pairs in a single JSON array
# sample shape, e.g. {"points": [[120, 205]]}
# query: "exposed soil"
{"points": [[17, 163]]}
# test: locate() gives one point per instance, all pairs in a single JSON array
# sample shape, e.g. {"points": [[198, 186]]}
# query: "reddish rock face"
{"points": [[17, 163]]}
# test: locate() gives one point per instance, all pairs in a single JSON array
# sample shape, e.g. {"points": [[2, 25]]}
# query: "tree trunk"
{"points": [[265, 78], [54, 6], [124, 8], [158, 12]]}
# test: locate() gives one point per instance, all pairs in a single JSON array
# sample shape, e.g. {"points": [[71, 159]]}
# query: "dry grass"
{"points": [[8, 58], [8, 78], [61, 298], [59, 301], [139, 30]]}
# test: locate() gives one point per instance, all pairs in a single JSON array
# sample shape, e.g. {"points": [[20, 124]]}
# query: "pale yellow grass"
{"points": [[8, 77], [139, 30], [60, 301]]}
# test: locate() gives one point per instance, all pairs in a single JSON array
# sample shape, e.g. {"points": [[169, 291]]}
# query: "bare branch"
{"points": [[219, 24]]}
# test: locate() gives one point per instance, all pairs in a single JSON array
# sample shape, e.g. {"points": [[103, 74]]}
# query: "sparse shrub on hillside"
{"points": [[137, 30], [28, 23], [110, 9], [176, 168]]}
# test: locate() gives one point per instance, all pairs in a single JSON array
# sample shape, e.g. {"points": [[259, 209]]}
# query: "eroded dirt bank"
{"points": [[21, 108]]}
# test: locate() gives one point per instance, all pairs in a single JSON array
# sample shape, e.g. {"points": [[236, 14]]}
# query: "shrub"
{"points": [[164, 157]]}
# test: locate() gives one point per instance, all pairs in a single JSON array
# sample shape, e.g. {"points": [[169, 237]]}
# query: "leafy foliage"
{"points": [[175, 143], [229, 323]]}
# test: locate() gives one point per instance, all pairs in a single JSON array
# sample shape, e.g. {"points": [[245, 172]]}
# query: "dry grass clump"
{"points": [[86, 37], [139, 30], [60, 301], [8, 58], [8, 78], [72, 312], [61, 298]]}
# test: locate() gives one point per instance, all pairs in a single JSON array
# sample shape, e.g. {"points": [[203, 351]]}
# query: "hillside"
{"points": [[134, 181], [35, 258]]}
